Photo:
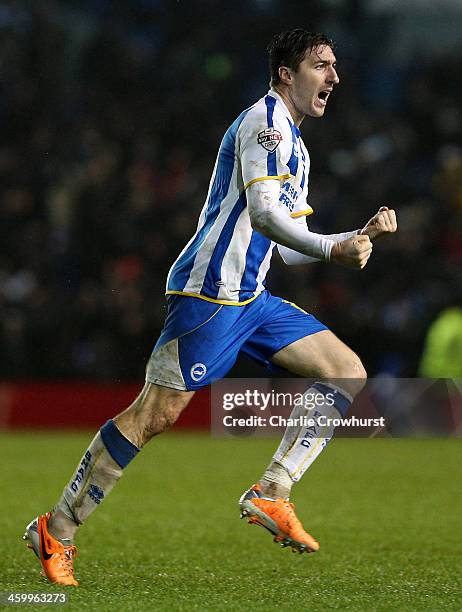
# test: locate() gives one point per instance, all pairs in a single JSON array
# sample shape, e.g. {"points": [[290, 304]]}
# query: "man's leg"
{"points": [[153, 411], [341, 376], [113, 447]]}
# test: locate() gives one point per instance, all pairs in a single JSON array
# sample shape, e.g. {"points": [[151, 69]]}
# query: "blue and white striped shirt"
{"points": [[226, 261]]}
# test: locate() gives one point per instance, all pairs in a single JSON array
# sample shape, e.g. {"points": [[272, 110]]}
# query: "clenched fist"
{"points": [[352, 253], [383, 222]]}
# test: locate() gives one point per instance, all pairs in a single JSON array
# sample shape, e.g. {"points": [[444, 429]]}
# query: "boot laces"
{"points": [[67, 559]]}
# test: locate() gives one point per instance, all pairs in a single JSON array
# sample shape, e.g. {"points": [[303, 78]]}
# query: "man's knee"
{"points": [[154, 411], [358, 375], [356, 370], [344, 369], [350, 373]]}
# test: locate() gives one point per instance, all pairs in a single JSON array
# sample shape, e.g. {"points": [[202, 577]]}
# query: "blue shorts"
{"points": [[201, 340]]}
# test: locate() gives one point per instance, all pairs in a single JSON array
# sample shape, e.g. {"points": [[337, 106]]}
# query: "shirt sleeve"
{"points": [[269, 217], [293, 258], [264, 146]]}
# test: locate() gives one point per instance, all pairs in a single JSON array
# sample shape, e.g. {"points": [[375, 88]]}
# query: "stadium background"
{"points": [[111, 114]]}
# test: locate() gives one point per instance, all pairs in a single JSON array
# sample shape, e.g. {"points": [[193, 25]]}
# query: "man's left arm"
{"points": [[383, 222], [292, 258]]}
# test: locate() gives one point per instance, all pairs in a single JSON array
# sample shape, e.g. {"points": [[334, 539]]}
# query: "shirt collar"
{"points": [[275, 94]]}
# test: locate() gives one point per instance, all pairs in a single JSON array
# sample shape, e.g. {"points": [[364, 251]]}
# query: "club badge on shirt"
{"points": [[269, 139]]}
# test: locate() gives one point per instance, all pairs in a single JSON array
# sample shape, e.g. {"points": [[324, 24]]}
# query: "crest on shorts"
{"points": [[269, 139], [198, 371]]}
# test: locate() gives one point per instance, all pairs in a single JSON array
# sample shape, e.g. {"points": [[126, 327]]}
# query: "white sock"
{"points": [[302, 444], [97, 473]]}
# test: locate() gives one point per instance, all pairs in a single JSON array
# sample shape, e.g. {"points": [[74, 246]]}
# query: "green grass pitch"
{"points": [[387, 513]]}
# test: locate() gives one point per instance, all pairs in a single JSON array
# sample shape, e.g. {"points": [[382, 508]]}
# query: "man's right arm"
{"points": [[265, 146]]}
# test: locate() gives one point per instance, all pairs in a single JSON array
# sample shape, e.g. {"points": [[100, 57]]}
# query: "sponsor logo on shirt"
{"points": [[288, 196]]}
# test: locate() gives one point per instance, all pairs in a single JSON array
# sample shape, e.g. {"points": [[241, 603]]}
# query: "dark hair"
{"points": [[289, 48]]}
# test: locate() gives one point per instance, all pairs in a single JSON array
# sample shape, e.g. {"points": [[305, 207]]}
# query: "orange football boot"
{"points": [[278, 516], [57, 560]]}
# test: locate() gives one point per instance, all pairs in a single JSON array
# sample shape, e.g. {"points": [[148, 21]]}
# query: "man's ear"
{"points": [[285, 74]]}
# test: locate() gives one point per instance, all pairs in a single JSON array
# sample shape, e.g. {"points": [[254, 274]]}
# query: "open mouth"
{"points": [[323, 95]]}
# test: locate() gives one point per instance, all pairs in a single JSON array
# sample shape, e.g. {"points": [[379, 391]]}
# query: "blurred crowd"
{"points": [[111, 114]]}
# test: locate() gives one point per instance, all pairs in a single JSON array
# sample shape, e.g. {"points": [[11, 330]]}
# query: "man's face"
{"points": [[314, 81]]}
